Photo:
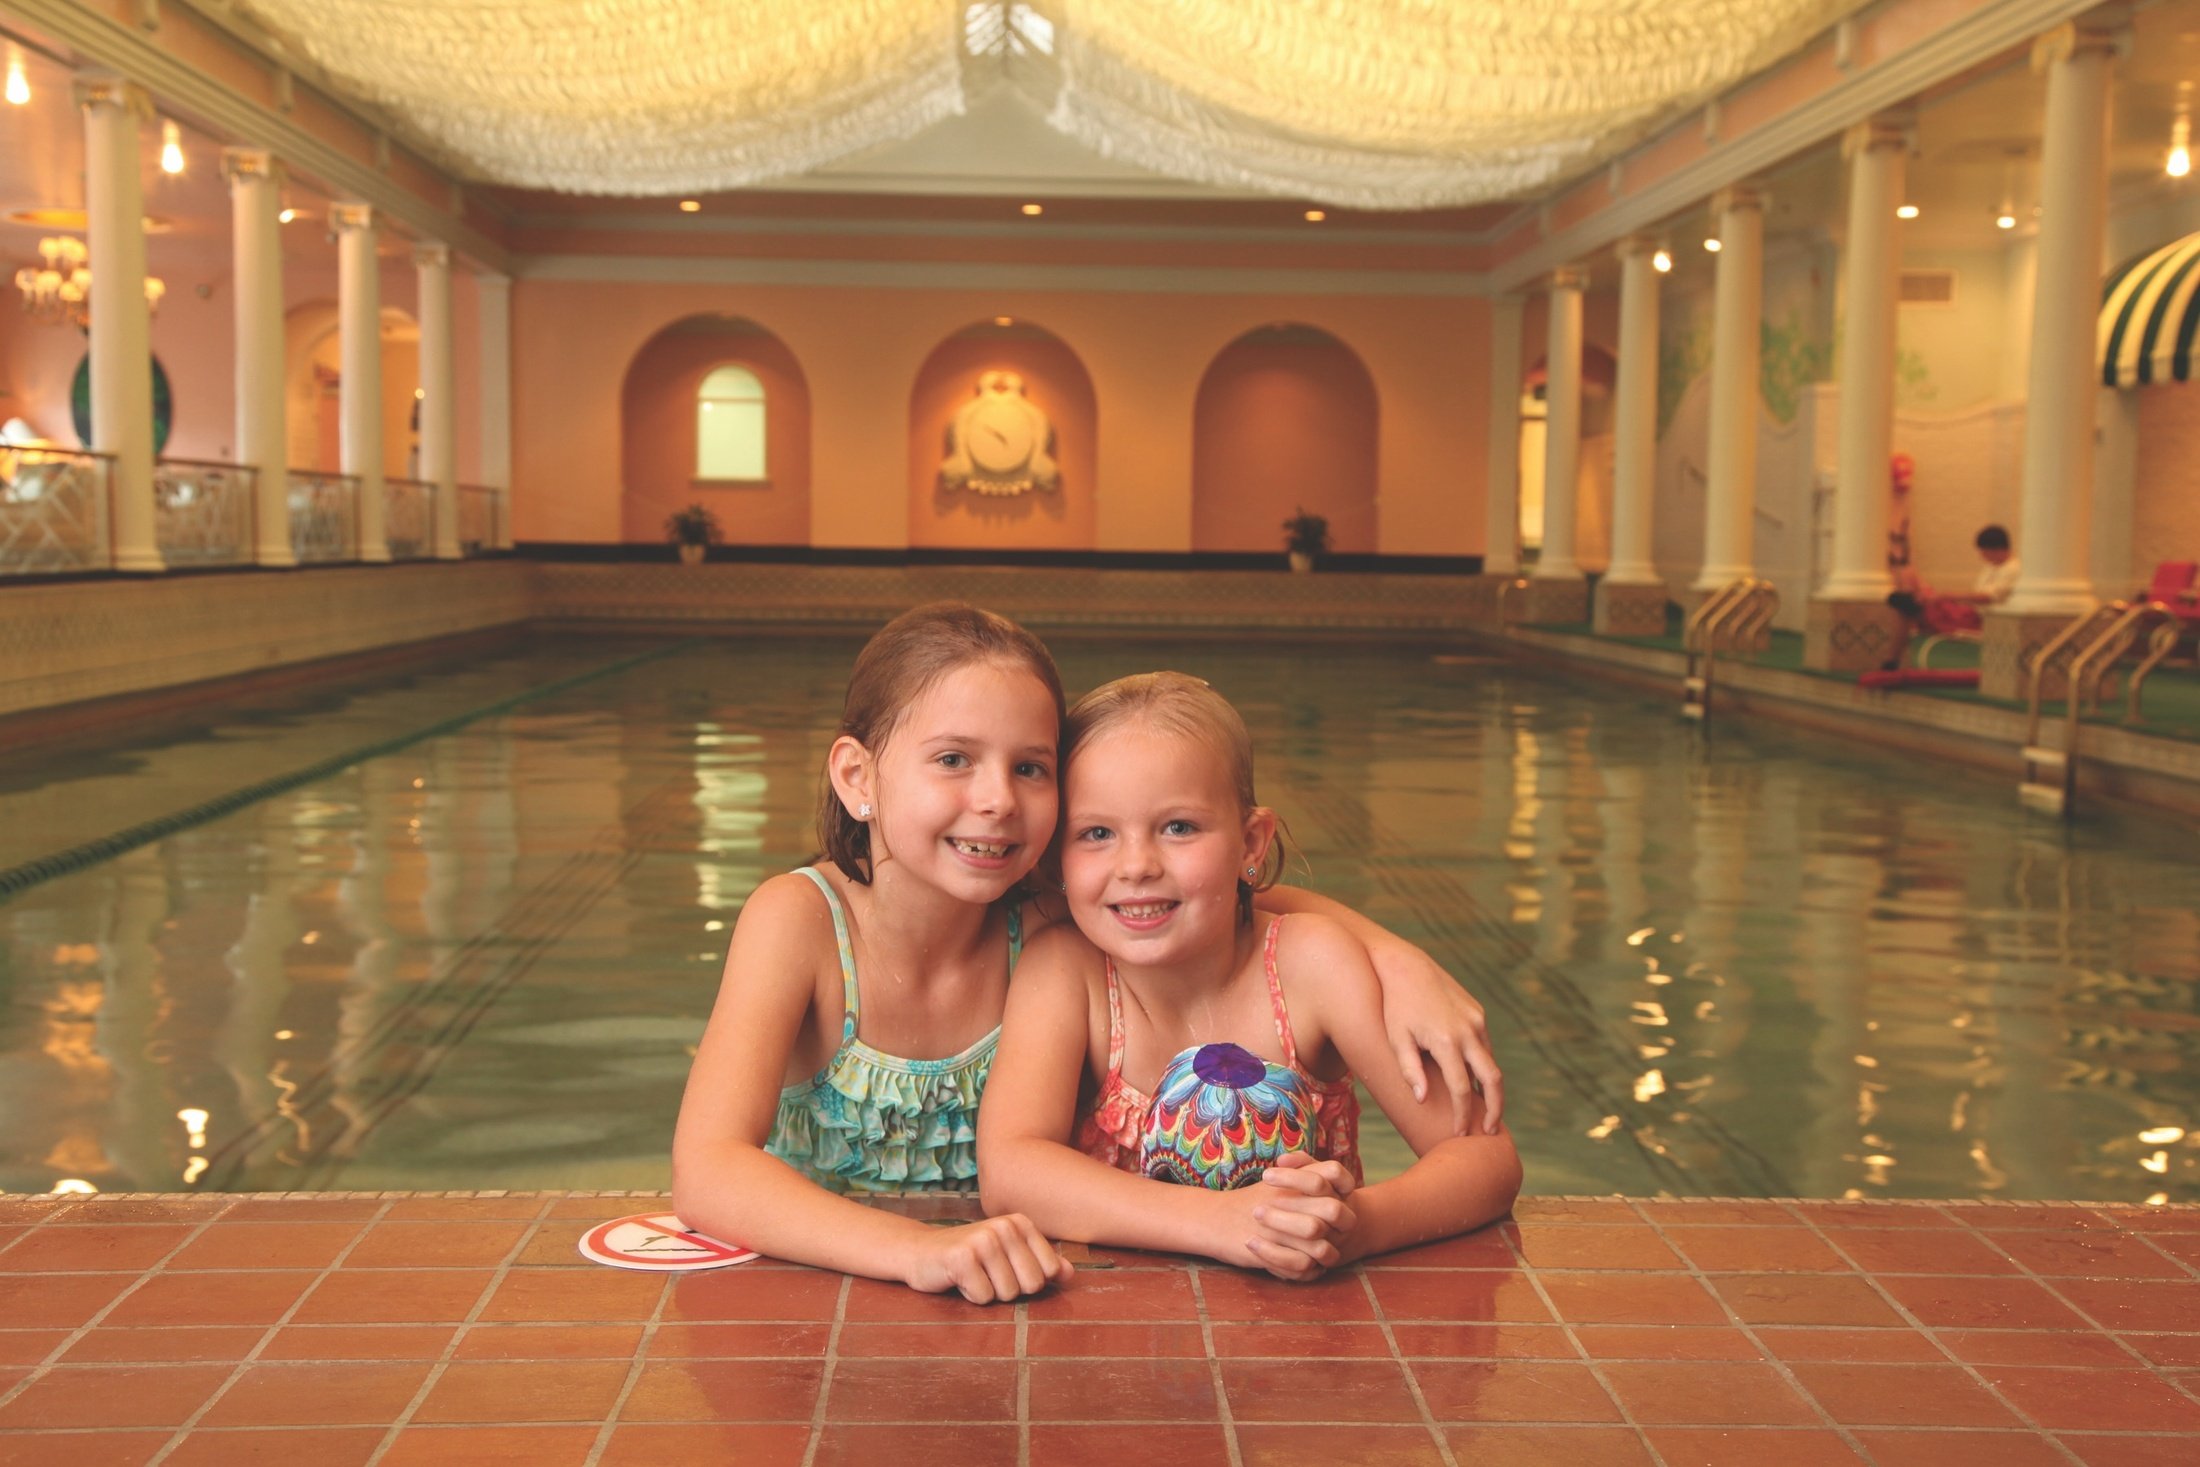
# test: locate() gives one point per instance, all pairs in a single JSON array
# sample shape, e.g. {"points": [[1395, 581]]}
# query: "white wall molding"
{"points": [[674, 225], [141, 58], [921, 275], [1978, 37]]}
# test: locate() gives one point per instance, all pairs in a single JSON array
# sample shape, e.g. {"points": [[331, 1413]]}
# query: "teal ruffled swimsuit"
{"points": [[873, 1122]]}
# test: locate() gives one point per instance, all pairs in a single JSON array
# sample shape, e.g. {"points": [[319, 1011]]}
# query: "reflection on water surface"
{"points": [[1767, 963]]}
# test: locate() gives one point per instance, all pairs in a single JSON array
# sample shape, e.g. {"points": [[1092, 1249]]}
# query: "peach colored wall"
{"points": [[862, 349], [1057, 519], [658, 433], [1284, 421]]}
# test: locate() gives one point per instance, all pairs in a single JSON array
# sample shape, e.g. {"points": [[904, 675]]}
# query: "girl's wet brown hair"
{"points": [[1178, 703], [899, 665]]}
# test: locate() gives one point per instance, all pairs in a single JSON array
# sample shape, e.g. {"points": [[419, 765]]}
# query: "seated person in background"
{"points": [[1939, 613]]}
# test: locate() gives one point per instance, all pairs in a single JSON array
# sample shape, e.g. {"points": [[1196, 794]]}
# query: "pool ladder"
{"points": [[1731, 619], [2091, 645]]}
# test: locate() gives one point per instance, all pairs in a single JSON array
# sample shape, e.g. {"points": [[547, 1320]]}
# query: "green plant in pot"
{"points": [[694, 530], [1306, 537]]}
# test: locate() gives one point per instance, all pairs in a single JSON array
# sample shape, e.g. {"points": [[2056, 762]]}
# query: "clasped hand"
{"points": [[1297, 1217]]}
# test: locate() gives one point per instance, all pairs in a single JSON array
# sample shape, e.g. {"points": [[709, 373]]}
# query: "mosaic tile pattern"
{"points": [[2005, 644], [408, 1328], [1630, 611], [1547, 603], [1848, 636]]}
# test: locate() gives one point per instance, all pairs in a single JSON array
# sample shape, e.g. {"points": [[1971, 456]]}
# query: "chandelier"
{"points": [[60, 291]]}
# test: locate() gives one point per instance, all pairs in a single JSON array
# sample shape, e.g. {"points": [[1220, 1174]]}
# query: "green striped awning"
{"points": [[2150, 315]]}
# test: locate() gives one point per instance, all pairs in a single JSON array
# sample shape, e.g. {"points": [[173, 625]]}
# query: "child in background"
{"points": [[1182, 1033], [861, 1002]]}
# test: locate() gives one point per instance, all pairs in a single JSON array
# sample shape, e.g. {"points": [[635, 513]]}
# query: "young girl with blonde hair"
{"points": [[1185, 1030], [859, 1013]]}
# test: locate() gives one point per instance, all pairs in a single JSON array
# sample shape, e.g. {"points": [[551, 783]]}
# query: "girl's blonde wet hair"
{"points": [[1178, 703]]}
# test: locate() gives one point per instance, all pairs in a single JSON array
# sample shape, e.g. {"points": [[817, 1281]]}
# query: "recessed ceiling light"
{"points": [[1316, 216], [691, 206], [1035, 209], [1907, 211], [1712, 244]]}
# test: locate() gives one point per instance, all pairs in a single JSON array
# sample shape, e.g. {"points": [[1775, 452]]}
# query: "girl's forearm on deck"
{"points": [[1458, 1185], [1074, 1197], [743, 1194]]}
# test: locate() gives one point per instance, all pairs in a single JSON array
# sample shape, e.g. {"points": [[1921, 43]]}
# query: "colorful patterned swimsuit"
{"points": [[1116, 1127], [875, 1122]]}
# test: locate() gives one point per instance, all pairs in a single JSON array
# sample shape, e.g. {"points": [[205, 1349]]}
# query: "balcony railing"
{"points": [[53, 511], [56, 514], [324, 516], [409, 522], [480, 519], [203, 512]]}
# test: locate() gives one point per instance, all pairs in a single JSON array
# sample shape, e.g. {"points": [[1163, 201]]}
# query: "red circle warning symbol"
{"points": [[658, 1242]]}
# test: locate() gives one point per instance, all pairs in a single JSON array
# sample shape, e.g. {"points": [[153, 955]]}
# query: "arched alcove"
{"points": [[1053, 379], [1286, 419], [658, 434], [312, 387]]}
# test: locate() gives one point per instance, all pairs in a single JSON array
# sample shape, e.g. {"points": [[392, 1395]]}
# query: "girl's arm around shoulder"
{"points": [[1422, 1008], [782, 956], [1459, 1182], [1055, 1030]]}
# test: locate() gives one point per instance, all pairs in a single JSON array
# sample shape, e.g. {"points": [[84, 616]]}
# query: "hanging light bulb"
{"points": [[1662, 262], [1712, 244], [19, 88], [1907, 211], [171, 148], [2179, 162]]}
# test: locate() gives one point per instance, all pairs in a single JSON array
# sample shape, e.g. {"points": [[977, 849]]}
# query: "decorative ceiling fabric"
{"points": [[1386, 104]]}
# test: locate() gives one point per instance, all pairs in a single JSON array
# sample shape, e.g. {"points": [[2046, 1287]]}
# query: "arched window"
{"points": [[729, 425]]}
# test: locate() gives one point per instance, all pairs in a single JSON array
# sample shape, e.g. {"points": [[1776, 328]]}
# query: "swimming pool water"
{"points": [[1755, 963]]}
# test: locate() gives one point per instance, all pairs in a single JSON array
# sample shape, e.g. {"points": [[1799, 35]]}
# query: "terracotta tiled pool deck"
{"points": [[405, 1329]]}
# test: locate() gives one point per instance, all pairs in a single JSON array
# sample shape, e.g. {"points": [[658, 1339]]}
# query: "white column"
{"points": [[438, 393], [493, 297], [1635, 416], [121, 330], [1501, 503], [1871, 291], [1562, 434], [359, 334], [256, 254], [1730, 490], [2059, 404]]}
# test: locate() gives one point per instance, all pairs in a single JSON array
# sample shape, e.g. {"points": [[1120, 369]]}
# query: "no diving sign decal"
{"points": [[658, 1242]]}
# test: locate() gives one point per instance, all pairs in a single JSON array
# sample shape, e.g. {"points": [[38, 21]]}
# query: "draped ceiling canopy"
{"points": [[1387, 104]]}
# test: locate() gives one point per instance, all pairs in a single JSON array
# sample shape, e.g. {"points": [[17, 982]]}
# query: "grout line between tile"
{"points": [[1529, 1272], [69, 1339], [825, 1380], [602, 1443], [1236, 1454], [489, 1290], [1413, 1382], [1871, 1281], [267, 1335], [1023, 1383]]}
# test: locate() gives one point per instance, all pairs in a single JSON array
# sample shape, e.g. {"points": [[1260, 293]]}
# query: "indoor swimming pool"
{"points": [[458, 926]]}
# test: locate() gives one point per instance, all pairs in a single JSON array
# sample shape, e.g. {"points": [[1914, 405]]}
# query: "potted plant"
{"points": [[1305, 536], [694, 530]]}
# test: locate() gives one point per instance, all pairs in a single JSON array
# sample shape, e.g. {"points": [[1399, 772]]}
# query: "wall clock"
{"points": [[1000, 441]]}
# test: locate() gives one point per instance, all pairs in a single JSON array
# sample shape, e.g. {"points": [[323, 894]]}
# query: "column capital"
{"points": [[1884, 132], [344, 218], [1569, 277], [253, 164], [2070, 40], [100, 89], [1635, 246], [1738, 196], [432, 254]]}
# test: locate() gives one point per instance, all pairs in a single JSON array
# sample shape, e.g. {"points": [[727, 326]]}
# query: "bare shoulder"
{"points": [[1060, 951], [1313, 944], [788, 905]]}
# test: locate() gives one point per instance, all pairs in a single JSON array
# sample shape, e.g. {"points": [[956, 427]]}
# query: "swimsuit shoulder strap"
{"points": [[847, 952], [1015, 934], [1275, 995], [1115, 1024]]}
